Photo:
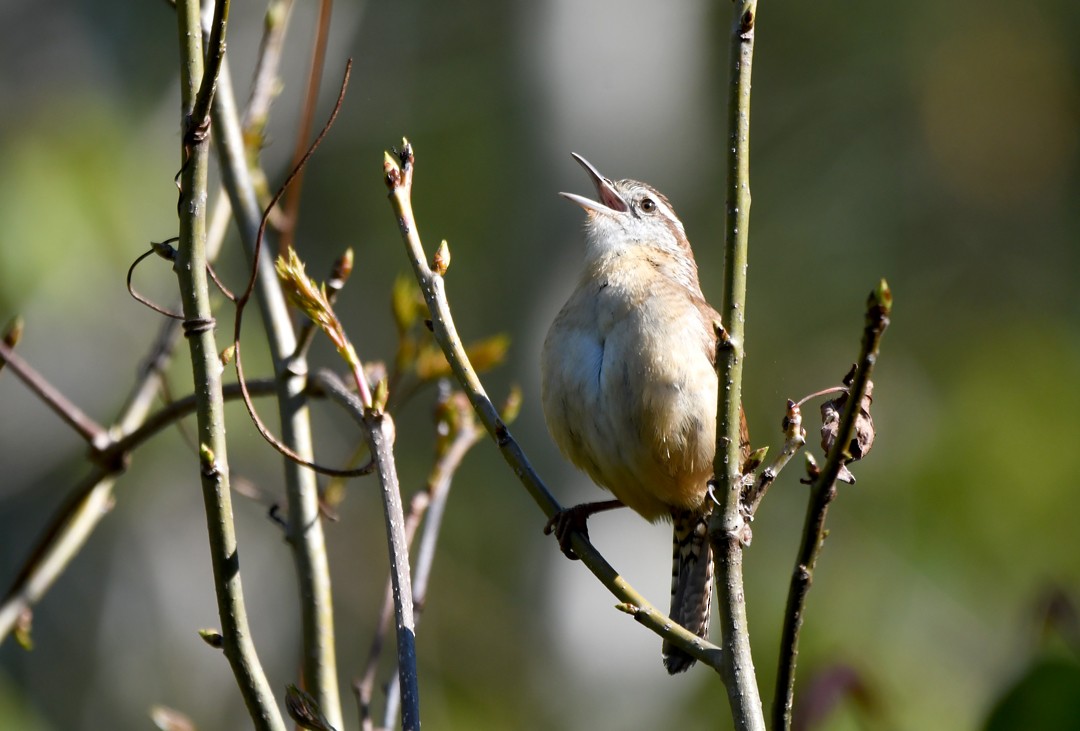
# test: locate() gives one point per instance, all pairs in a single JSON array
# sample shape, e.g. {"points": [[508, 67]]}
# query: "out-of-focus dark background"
{"points": [[932, 144]]}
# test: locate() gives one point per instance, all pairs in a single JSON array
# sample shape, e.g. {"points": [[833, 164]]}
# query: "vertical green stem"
{"points": [[190, 269], [381, 439], [305, 532], [727, 524]]}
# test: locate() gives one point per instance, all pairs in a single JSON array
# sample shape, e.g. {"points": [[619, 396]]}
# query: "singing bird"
{"points": [[629, 386]]}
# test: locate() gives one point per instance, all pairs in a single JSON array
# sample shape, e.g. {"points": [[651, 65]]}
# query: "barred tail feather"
{"points": [[691, 582]]}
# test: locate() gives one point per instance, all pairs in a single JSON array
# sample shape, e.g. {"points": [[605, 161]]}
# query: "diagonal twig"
{"points": [[92, 432], [822, 492]]}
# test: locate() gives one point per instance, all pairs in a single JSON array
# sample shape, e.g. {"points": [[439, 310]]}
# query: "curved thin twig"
{"points": [[242, 300], [155, 248]]}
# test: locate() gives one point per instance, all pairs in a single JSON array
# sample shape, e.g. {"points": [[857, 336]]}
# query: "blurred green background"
{"points": [[934, 144]]}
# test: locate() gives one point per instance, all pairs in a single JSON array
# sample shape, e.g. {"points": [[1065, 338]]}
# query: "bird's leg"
{"points": [[576, 520]]}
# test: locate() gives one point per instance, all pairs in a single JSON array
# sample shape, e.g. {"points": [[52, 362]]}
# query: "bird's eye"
{"points": [[648, 205]]}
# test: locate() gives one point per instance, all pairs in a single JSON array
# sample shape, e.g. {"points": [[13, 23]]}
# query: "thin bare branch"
{"points": [[822, 492], [794, 439], [379, 428], [431, 501], [92, 432]]}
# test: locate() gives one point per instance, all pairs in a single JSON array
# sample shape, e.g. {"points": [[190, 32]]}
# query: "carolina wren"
{"points": [[628, 383]]}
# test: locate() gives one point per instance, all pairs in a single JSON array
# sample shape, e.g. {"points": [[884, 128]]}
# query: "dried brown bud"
{"points": [[863, 439]]}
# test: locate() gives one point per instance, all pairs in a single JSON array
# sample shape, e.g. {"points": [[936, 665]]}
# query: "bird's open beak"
{"points": [[609, 198]]}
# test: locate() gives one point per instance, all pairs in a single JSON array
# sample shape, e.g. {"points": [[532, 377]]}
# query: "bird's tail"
{"points": [[691, 582]]}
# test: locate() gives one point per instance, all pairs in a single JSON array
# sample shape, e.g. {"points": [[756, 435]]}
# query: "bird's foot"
{"points": [[568, 521]]}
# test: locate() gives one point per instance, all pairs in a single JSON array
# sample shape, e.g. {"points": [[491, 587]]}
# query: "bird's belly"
{"points": [[637, 417]]}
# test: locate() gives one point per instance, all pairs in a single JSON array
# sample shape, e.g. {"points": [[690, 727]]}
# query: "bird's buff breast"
{"points": [[629, 396]]}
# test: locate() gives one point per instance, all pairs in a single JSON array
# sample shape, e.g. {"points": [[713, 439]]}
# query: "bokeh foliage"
{"points": [[934, 144]]}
